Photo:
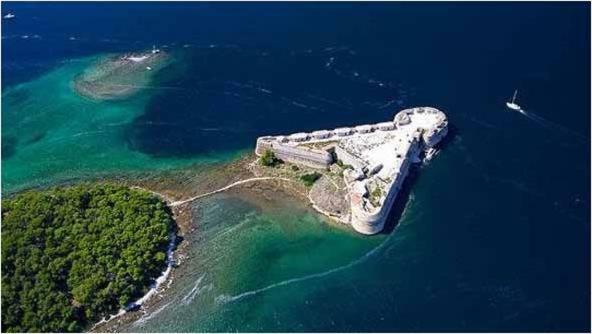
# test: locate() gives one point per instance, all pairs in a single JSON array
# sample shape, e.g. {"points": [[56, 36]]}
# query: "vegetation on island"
{"points": [[311, 178], [73, 255], [268, 159]]}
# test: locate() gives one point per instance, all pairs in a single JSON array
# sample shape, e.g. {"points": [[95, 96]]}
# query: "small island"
{"points": [[364, 166], [73, 255], [115, 77]]}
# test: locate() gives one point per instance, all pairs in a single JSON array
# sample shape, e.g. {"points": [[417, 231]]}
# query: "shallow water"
{"points": [[241, 251], [52, 134], [496, 236]]}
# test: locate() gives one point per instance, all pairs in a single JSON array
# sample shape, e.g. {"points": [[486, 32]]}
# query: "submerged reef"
{"points": [[116, 77]]}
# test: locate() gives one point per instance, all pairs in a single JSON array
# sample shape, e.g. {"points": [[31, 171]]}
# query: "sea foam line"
{"points": [[149, 316], [190, 298], [194, 290], [231, 229]]}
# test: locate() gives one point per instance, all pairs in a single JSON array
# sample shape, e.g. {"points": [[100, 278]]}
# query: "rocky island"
{"points": [[372, 162]]}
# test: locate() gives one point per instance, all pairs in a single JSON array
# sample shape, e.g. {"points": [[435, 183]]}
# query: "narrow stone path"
{"points": [[254, 179]]}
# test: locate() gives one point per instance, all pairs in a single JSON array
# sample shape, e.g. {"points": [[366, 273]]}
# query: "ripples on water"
{"points": [[204, 107], [498, 238], [242, 249]]}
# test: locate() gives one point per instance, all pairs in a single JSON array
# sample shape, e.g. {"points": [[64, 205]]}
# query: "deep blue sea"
{"points": [[496, 232]]}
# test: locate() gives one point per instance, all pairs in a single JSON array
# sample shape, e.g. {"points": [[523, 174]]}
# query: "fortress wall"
{"points": [[298, 155], [434, 136], [263, 143], [371, 223], [348, 158], [362, 221]]}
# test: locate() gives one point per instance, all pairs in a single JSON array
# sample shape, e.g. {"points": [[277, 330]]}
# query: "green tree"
{"points": [[73, 255], [268, 159]]}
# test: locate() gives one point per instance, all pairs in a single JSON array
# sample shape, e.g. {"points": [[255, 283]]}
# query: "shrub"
{"points": [[340, 163], [310, 179], [295, 168], [268, 159]]}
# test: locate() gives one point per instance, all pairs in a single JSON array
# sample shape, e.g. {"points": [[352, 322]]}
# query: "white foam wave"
{"points": [[208, 287], [153, 288], [195, 288], [149, 316]]}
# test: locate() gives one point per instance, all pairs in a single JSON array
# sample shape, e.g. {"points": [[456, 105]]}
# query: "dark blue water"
{"points": [[503, 238]]}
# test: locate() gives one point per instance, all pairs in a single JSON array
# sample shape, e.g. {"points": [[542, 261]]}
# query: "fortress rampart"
{"points": [[380, 156]]}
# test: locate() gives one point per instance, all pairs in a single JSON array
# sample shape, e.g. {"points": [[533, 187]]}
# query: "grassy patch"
{"points": [[268, 159], [311, 178]]}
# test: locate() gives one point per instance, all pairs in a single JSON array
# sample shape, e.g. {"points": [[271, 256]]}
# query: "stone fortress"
{"points": [[377, 158]]}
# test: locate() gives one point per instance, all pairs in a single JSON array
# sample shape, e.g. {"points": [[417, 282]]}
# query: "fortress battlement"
{"points": [[377, 158]]}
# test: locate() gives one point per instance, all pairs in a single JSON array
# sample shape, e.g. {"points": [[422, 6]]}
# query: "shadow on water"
{"points": [[453, 132], [36, 136], [8, 146], [402, 199]]}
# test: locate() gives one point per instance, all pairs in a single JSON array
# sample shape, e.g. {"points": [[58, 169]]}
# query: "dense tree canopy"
{"points": [[73, 255]]}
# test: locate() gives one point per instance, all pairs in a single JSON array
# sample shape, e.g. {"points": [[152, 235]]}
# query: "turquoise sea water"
{"points": [[496, 231], [51, 134], [251, 260]]}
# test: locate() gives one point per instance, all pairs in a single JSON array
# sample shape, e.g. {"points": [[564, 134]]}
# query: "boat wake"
{"points": [[223, 299], [196, 290], [550, 125]]}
